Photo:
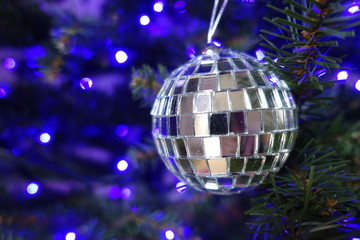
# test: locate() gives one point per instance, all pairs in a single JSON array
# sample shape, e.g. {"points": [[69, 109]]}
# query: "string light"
{"points": [[9, 63], [32, 188], [343, 75], [144, 20], [70, 236], [169, 234], [260, 55], [159, 6], [122, 165], [44, 138], [121, 57], [354, 9], [126, 193], [122, 130], [357, 85], [2, 93], [86, 83]]}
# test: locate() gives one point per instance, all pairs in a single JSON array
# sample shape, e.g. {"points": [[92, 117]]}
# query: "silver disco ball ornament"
{"points": [[221, 122]]}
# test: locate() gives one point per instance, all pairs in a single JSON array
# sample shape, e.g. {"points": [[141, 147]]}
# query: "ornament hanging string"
{"points": [[215, 18]]}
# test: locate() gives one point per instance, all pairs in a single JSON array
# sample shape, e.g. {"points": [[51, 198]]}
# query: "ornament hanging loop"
{"points": [[215, 18]]}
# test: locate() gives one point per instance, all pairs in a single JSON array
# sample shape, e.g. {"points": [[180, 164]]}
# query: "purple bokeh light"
{"points": [[70, 236], [180, 6], [357, 85], [9, 63], [158, 6], [2, 93], [121, 56], [169, 234], [343, 75], [44, 138], [86, 83], [144, 20], [122, 165], [126, 193], [32, 188], [181, 187], [122, 130], [114, 192]]}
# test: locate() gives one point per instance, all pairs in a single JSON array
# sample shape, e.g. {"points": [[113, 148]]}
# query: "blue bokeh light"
{"points": [[121, 56], [144, 20], [70, 236], [169, 234], [158, 6], [357, 85], [122, 165], [45, 138], [260, 55], [32, 188], [343, 75], [354, 9]]}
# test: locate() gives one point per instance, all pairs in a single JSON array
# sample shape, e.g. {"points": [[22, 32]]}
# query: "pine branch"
{"points": [[306, 35]]}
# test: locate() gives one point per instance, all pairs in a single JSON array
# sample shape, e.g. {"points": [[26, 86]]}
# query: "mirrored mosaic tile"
{"points": [[225, 182], [205, 67], [224, 65], [190, 70], [202, 127], [217, 166], [173, 126], [242, 79], [229, 145], [220, 102], [236, 165], [254, 98], [237, 100], [219, 124], [201, 167], [253, 120], [258, 78], [180, 148], [186, 125], [254, 165], [212, 146], [192, 85], [239, 64], [186, 104], [169, 147], [179, 86], [174, 106], [237, 122], [226, 81], [211, 184], [264, 143], [242, 181], [196, 147], [202, 102], [209, 82], [247, 145], [184, 164]]}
